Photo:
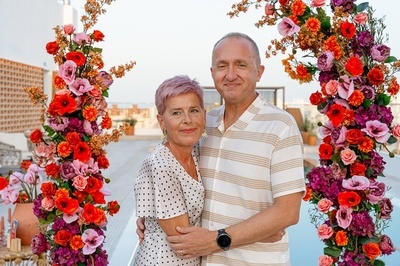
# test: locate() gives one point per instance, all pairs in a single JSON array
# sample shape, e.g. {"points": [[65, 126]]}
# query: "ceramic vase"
{"points": [[28, 223]]}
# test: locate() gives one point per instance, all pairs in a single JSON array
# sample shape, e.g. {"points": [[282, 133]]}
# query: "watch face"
{"points": [[224, 241]]}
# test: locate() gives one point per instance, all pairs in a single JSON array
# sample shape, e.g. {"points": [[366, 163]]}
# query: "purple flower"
{"points": [[377, 130], [362, 224], [356, 182], [92, 240], [81, 38], [38, 211], [348, 5], [353, 258], [58, 124], [386, 207], [67, 170], [368, 91], [91, 128], [39, 244], [104, 79], [75, 124], [100, 259], [380, 52], [365, 40], [66, 256], [287, 27], [386, 245], [326, 76], [325, 61], [80, 86], [376, 192], [344, 217], [67, 71]]}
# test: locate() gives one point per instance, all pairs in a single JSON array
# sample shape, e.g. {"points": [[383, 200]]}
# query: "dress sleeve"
{"points": [[158, 190]]}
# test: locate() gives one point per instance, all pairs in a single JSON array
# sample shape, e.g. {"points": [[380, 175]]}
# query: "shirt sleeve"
{"points": [[158, 190]]}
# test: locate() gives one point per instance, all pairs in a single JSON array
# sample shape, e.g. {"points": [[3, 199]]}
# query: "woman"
{"points": [[169, 191]]}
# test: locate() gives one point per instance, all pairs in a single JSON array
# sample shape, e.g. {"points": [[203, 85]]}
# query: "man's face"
{"points": [[235, 70]]}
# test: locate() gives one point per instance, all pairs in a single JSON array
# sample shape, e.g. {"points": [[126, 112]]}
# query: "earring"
{"points": [[204, 135], [164, 136]]}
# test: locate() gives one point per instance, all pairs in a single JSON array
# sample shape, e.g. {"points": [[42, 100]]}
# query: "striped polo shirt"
{"points": [[244, 167]]}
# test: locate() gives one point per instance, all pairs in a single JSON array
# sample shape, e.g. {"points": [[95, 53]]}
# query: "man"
{"points": [[251, 165]]}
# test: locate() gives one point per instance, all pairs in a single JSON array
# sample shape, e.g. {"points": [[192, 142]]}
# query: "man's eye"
{"points": [[176, 113]]}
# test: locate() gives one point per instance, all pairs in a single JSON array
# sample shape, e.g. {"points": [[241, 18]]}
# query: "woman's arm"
{"points": [[169, 225]]}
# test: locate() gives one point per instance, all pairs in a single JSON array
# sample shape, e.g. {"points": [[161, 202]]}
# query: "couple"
{"points": [[248, 171]]}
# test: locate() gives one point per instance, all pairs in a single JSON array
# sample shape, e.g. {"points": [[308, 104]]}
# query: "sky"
{"points": [[175, 37]]}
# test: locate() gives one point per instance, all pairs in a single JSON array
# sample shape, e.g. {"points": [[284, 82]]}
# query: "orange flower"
{"points": [[308, 194], [91, 214], [313, 24], [332, 45], [72, 138], [302, 73], [67, 205], [77, 57], [393, 87], [89, 113], [52, 170], [348, 116], [375, 76], [298, 8], [336, 114], [366, 145], [82, 152], [356, 98], [62, 237], [341, 238], [371, 250], [64, 149], [61, 192], [354, 66], [36, 136], [349, 198], [59, 82], [76, 242], [48, 189], [348, 29], [106, 123]]}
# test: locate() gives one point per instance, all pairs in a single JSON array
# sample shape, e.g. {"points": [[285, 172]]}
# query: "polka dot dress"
{"points": [[164, 190]]}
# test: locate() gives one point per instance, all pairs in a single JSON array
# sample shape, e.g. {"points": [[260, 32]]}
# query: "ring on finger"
{"points": [[181, 252]]}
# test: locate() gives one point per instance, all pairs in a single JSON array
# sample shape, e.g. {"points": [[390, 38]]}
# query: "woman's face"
{"points": [[183, 120]]}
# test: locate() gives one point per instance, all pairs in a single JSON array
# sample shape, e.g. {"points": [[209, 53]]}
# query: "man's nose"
{"points": [[231, 74]]}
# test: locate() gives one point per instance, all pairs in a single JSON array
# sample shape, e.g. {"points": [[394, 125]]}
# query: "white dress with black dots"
{"points": [[164, 190]]}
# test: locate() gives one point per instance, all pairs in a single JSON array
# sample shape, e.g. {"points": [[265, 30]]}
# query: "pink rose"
{"points": [[269, 9], [396, 131], [80, 182], [344, 216], [325, 260], [380, 52], [377, 130], [325, 61], [318, 3], [81, 38], [48, 204], [346, 87], [287, 27], [324, 205], [67, 71], [361, 18], [325, 231], [68, 29], [331, 87], [348, 156]]}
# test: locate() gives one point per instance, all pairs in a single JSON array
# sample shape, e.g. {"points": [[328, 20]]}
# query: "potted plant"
{"points": [[308, 132], [130, 129]]}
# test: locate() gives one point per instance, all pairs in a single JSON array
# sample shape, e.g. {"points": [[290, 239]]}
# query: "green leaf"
{"points": [[332, 251], [361, 7], [97, 50], [390, 59], [366, 103], [392, 140], [104, 93], [336, 157], [382, 99], [379, 263], [365, 240]]}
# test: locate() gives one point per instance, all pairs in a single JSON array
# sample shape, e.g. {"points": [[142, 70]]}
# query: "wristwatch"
{"points": [[223, 239]]}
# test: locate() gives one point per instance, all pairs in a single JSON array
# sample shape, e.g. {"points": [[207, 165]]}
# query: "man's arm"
{"points": [[196, 241]]}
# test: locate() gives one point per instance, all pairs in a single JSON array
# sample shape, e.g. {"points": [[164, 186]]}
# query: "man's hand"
{"points": [[193, 242], [140, 228]]}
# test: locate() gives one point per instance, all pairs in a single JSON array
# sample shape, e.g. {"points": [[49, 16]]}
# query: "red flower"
{"points": [[66, 204], [354, 136], [103, 162], [36, 136], [98, 197], [358, 168], [98, 35], [62, 237], [48, 189], [77, 57], [25, 164], [62, 104], [325, 151], [52, 47], [3, 183], [52, 170], [348, 29], [82, 152], [375, 76], [316, 98], [93, 185], [354, 66], [73, 138], [113, 207], [308, 194], [349, 199], [336, 114], [90, 213]]}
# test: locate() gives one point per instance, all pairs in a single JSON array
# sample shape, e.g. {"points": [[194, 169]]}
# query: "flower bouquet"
{"points": [[342, 46], [72, 204]]}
